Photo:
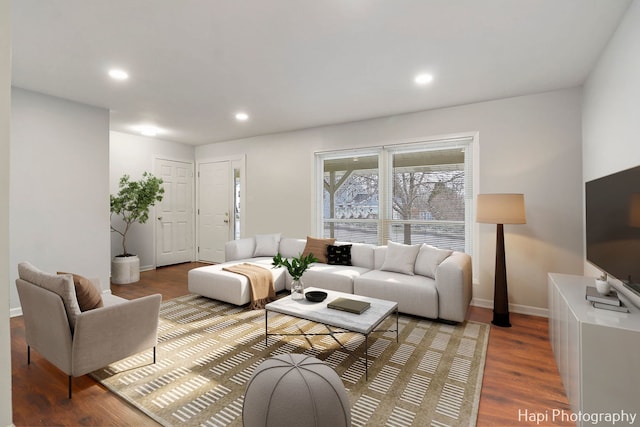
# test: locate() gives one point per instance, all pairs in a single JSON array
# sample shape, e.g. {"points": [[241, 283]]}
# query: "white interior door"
{"points": [[215, 217], [174, 222]]}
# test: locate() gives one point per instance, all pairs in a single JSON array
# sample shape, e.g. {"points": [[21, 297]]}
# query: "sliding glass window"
{"points": [[409, 193]]}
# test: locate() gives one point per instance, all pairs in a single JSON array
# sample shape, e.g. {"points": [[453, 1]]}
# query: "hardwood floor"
{"points": [[520, 378]]}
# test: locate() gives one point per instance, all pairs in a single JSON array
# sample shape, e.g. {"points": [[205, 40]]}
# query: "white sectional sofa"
{"points": [[423, 280]]}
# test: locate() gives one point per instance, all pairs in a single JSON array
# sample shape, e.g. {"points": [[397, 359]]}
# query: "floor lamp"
{"points": [[500, 209]]}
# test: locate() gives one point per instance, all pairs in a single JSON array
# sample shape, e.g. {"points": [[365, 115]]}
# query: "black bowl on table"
{"points": [[315, 296]]}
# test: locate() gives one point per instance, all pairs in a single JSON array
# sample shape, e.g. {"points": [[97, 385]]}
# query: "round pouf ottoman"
{"points": [[295, 390]]}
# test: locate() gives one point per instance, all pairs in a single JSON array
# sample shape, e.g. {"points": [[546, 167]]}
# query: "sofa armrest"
{"points": [[239, 249], [108, 334], [454, 286]]}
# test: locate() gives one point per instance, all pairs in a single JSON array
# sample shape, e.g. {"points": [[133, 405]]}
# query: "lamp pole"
{"points": [[500, 292]]}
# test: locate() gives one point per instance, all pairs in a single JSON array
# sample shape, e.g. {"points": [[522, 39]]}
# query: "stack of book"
{"points": [[609, 301]]}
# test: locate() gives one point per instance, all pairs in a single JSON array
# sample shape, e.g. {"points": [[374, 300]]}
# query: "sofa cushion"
{"points": [[317, 247], [339, 254], [290, 247], [415, 295], [267, 244], [362, 255], [400, 258], [332, 277], [428, 260], [61, 284], [88, 296]]}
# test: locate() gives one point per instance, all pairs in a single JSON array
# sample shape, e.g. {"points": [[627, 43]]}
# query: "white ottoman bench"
{"points": [[213, 282]]}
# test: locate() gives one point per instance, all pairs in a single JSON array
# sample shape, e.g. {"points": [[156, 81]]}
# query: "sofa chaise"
{"points": [[425, 281]]}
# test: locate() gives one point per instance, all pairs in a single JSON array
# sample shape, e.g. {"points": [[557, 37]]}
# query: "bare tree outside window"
{"points": [[425, 199]]}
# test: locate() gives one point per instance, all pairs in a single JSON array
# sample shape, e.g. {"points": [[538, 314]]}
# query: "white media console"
{"points": [[597, 351]]}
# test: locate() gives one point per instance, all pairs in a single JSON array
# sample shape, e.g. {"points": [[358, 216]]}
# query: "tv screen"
{"points": [[613, 225]]}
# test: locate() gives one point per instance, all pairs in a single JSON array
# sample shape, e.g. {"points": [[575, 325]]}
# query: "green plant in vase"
{"points": [[296, 268]]}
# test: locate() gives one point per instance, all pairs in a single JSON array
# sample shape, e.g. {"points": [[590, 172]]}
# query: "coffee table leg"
{"points": [[366, 357], [266, 329], [397, 327]]}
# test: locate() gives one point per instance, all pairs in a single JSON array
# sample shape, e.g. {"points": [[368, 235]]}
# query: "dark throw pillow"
{"points": [[339, 255]]}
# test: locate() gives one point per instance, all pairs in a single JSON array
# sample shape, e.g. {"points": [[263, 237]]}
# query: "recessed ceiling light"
{"points": [[117, 74], [423, 79], [242, 117], [147, 130]]}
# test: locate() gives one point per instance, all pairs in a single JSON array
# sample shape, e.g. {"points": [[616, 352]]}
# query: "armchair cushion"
{"points": [[87, 294], [61, 284]]}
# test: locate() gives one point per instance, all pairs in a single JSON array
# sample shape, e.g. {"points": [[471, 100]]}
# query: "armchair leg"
{"points": [[28, 355], [70, 385]]}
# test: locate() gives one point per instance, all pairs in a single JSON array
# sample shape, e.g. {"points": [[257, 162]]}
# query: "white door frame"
{"points": [[237, 162], [156, 159]]}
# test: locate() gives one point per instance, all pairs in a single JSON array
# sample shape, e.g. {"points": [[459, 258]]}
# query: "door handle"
{"points": [[159, 218]]}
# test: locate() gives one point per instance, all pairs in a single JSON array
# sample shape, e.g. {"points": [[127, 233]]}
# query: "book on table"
{"points": [[594, 296], [620, 308], [349, 305]]}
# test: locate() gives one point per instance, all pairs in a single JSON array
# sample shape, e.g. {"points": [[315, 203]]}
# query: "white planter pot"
{"points": [[125, 270]]}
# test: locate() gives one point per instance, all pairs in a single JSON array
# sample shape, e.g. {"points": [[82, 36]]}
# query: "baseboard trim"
{"points": [[15, 312], [513, 308]]}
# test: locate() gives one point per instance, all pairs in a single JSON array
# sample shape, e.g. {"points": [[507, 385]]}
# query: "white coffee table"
{"points": [[318, 312]]}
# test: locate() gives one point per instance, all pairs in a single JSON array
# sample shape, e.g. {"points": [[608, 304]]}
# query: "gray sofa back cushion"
{"points": [[290, 247], [361, 254], [379, 254], [239, 249]]}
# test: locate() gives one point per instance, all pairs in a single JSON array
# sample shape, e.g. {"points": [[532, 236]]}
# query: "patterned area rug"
{"points": [[208, 351]]}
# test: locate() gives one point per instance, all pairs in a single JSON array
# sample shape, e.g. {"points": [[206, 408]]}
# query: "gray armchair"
{"points": [[78, 342]]}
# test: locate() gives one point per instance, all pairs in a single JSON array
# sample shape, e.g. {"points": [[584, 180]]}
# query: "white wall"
{"points": [[611, 107], [59, 204], [133, 155], [528, 144], [5, 138]]}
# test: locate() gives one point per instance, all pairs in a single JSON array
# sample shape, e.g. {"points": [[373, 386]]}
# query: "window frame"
{"points": [[385, 153]]}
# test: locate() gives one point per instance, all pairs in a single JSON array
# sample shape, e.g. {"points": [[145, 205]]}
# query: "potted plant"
{"points": [[296, 268], [132, 204]]}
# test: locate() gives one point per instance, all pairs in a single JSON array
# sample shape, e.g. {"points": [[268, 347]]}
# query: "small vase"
{"points": [[603, 287], [297, 290]]}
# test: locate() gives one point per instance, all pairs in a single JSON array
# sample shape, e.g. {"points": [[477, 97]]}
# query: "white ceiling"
{"points": [[295, 64]]}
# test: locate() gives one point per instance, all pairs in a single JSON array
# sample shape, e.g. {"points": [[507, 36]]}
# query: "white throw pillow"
{"points": [[400, 258], [429, 258], [267, 244]]}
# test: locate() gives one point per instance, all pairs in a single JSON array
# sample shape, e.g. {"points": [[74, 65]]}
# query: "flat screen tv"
{"points": [[612, 205]]}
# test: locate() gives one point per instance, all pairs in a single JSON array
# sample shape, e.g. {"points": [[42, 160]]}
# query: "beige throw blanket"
{"points": [[260, 282]]}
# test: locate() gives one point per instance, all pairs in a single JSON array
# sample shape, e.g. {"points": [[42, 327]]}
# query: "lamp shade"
{"points": [[501, 209]]}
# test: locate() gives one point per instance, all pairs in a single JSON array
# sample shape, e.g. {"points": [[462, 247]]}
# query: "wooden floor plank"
{"points": [[520, 376]]}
